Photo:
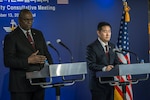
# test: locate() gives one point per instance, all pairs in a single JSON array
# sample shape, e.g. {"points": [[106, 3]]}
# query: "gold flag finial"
{"points": [[126, 9]]}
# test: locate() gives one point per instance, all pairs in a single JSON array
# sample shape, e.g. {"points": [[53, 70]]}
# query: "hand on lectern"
{"points": [[109, 67]]}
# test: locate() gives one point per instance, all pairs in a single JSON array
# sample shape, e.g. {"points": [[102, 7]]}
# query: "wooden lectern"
{"points": [[123, 70], [59, 70]]}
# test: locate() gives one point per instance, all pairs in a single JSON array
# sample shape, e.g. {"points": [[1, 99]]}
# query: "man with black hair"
{"points": [[100, 57]]}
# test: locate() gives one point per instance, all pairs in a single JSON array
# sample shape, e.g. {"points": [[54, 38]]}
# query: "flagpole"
{"points": [[127, 19], [123, 83]]}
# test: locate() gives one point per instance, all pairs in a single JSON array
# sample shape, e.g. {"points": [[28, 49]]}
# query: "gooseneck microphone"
{"points": [[117, 50], [120, 50], [59, 42], [49, 44]]}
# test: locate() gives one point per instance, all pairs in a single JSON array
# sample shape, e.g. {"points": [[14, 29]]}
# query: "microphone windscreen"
{"points": [[114, 50], [48, 42], [58, 40]]}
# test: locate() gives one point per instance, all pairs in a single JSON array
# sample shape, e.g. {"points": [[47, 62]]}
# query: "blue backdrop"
{"points": [[75, 24]]}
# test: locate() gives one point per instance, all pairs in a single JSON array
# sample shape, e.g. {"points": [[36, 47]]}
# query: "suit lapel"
{"points": [[102, 52], [101, 49], [36, 39], [111, 54], [23, 38]]}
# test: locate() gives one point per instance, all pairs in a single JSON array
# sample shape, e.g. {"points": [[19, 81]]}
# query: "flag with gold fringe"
{"points": [[123, 42]]}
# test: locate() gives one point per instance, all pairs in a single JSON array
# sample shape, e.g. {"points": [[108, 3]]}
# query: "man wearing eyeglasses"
{"points": [[25, 50]]}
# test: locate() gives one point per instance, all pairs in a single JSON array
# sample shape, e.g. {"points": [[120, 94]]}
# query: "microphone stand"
{"points": [[59, 58], [123, 50], [137, 58], [71, 55], [59, 42]]}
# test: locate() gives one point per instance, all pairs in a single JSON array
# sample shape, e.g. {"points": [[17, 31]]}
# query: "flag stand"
{"points": [[123, 85]]}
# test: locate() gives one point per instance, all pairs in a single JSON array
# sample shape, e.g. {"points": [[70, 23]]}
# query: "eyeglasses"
{"points": [[27, 19]]}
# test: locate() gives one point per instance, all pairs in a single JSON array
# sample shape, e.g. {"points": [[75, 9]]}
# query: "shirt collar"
{"points": [[24, 31], [102, 43]]}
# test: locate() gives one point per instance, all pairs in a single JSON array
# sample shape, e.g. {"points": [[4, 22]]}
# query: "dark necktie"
{"points": [[107, 51], [30, 39], [107, 48]]}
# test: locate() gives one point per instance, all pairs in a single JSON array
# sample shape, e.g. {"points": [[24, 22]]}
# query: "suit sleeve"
{"points": [[91, 58], [10, 54]]}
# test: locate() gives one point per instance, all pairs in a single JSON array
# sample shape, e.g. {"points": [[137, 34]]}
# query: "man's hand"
{"points": [[109, 67], [36, 59]]}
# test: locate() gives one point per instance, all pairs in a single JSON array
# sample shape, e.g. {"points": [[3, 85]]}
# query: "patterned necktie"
{"points": [[30, 39]]}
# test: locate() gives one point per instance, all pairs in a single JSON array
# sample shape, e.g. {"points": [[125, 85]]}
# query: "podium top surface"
{"points": [[68, 69], [126, 69], [56, 70]]}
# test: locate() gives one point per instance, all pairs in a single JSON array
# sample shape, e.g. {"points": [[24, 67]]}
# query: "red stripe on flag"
{"points": [[127, 58], [120, 78], [119, 90], [129, 93]]}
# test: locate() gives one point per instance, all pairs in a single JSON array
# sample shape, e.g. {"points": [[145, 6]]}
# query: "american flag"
{"points": [[62, 1], [123, 42]]}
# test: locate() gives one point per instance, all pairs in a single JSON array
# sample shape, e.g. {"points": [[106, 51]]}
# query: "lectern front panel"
{"points": [[68, 69], [126, 69]]}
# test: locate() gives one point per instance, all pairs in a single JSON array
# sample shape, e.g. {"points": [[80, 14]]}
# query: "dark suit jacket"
{"points": [[17, 49], [96, 60]]}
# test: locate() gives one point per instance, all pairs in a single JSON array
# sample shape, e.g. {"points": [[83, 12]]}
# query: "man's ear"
{"points": [[98, 32]]}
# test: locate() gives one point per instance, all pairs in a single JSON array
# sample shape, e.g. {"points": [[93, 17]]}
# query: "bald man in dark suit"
{"points": [[22, 55], [100, 57]]}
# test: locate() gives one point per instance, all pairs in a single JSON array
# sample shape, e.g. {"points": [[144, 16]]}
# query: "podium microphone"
{"points": [[49, 44], [120, 50], [117, 50], [59, 42]]}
